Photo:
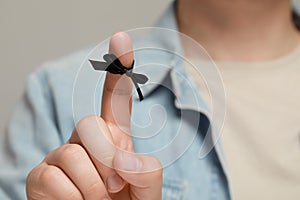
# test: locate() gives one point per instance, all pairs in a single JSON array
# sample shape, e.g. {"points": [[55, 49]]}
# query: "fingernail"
{"points": [[130, 162], [114, 183]]}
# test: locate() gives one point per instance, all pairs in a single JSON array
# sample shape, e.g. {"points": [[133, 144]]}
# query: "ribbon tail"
{"points": [[141, 97]]}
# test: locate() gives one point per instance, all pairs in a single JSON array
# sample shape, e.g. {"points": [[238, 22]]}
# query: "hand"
{"points": [[98, 161]]}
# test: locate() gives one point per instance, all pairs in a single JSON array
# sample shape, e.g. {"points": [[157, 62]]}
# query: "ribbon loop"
{"points": [[113, 65]]}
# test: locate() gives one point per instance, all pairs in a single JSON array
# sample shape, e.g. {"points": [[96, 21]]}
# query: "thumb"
{"points": [[143, 173]]}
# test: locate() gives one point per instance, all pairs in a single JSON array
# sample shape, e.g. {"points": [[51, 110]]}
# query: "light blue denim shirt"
{"points": [[170, 123]]}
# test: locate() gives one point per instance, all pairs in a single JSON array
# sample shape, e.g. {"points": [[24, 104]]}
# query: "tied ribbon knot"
{"points": [[113, 65]]}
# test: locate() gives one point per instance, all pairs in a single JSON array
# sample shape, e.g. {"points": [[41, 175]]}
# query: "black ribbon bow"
{"points": [[113, 65]]}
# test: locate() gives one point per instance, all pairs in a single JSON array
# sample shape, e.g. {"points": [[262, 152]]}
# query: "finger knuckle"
{"points": [[86, 121], [32, 175], [91, 122], [70, 153], [52, 175], [32, 189], [47, 175]]}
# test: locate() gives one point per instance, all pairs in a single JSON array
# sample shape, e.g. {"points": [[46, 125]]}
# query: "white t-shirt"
{"points": [[261, 132]]}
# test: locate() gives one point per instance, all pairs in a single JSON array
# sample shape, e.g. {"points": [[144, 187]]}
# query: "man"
{"points": [[240, 32]]}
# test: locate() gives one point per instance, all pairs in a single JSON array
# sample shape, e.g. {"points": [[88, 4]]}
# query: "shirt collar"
{"points": [[167, 51], [172, 65]]}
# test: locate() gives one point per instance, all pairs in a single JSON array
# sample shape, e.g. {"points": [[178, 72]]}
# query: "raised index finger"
{"points": [[117, 93]]}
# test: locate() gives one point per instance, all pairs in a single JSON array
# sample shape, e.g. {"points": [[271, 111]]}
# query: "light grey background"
{"points": [[35, 31]]}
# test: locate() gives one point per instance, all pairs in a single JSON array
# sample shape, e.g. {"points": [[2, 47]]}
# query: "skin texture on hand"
{"points": [[98, 161]]}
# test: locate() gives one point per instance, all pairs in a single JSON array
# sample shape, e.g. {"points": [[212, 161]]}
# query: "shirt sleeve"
{"points": [[30, 135]]}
